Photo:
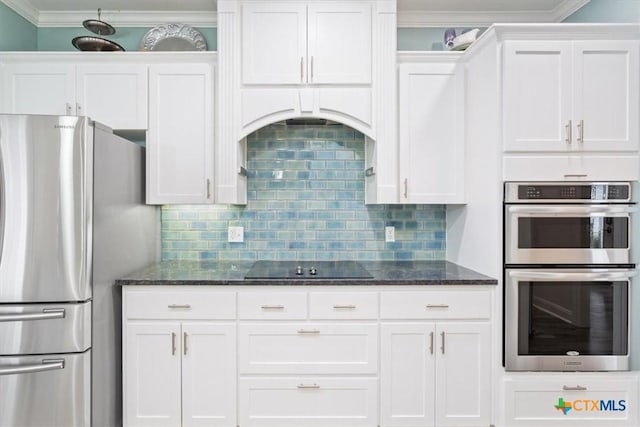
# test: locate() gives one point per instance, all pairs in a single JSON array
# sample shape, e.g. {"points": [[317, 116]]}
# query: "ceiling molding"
{"points": [[566, 9], [24, 9], [129, 18], [474, 18], [406, 18]]}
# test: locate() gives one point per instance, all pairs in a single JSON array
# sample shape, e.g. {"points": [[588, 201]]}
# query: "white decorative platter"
{"points": [[173, 37]]}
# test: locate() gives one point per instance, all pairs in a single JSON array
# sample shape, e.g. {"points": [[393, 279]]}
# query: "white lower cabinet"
{"points": [[179, 357], [365, 356], [435, 374], [308, 348], [572, 399], [308, 401]]}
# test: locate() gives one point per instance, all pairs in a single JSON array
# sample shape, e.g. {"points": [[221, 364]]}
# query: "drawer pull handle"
{"points": [[437, 305], [307, 386], [179, 306], [574, 388], [308, 331], [344, 307], [272, 307]]}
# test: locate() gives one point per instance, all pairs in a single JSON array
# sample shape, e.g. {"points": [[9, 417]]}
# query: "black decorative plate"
{"points": [[91, 43]]}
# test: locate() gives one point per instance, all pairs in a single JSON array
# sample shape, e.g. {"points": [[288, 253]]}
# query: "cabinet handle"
{"points": [[573, 388], [69, 113], [575, 175], [431, 336], [179, 306], [312, 69], [301, 69], [272, 307], [78, 109], [308, 386], [406, 187], [308, 331], [442, 348], [344, 307], [208, 188], [184, 339], [173, 343], [568, 128], [437, 306], [581, 131]]}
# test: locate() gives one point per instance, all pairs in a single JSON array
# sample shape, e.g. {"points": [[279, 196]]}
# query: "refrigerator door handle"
{"points": [[46, 365], [47, 313]]}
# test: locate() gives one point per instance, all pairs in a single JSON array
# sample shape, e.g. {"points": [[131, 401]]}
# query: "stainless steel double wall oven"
{"points": [[568, 273]]}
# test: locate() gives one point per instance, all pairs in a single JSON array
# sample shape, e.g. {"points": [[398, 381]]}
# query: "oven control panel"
{"points": [[567, 192]]}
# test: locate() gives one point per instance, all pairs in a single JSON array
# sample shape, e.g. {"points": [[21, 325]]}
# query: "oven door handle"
{"points": [[608, 275], [591, 209]]}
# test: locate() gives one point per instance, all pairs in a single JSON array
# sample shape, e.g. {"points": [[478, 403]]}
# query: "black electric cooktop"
{"points": [[307, 270]]}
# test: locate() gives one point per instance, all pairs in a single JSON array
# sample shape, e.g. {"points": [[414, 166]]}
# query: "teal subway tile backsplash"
{"points": [[305, 202]]}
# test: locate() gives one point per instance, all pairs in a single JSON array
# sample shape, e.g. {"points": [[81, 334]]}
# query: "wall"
{"points": [[16, 33], [59, 39], [621, 11], [305, 202]]}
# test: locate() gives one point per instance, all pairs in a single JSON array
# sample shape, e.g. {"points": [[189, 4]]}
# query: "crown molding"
{"points": [[406, 18], [130, 18], [417, 18], [24, 9]]}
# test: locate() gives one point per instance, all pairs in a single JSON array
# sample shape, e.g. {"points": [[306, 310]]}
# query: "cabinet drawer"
{"points": [[272, 305], [343, 305], [308, 401], [308, 348], [592, 402], [180, 304], [462, 304]]}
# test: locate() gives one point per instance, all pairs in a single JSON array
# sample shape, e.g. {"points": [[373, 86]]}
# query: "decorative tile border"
{"points": [[305, 202]]}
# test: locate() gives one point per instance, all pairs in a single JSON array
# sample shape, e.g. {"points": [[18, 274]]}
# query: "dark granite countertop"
{"points": [[232, 273]]}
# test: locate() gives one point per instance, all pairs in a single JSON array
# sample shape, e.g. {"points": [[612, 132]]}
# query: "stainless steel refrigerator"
{"points": [[72, 220]]}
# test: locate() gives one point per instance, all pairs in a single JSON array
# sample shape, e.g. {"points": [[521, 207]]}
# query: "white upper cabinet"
{"points": [[287, 59], [274, 43], [112, 93], [431, 132], [571, 95], [339, 41], [38, 88], [180, 137], [296, 43]]}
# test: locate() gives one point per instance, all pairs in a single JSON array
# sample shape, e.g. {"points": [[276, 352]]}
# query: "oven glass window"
{"points": [[571, 233], [572, 318]]}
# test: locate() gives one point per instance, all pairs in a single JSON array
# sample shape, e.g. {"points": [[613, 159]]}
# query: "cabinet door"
{"points": [[151, 372], [208, 374], [114, 94], [180, 137], [39, 88], [340, 43], [537, 96], [407, 376], [431, 121], [463, 376], [606, 94], [274, 43]]}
